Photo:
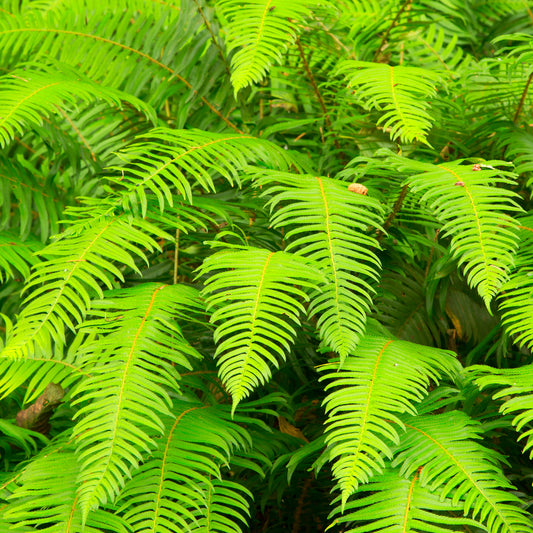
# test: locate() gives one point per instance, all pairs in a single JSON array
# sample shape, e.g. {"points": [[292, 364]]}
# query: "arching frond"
{"points": [[516, 301], [519, 149], [29, 94], [109, 50], [21, 183], [431, 47], [262, 30], [392, 503], [498, 86], [44, 365], [170, 491], [16, 256], [332, 226], [400, 93], [132, 369], [453, 464], [474, 210], [382, 377], [15, 439], [401, 305], [49, 482], [255, 297], [226, 509], [79, 263], [166, 160], [516, 389]]}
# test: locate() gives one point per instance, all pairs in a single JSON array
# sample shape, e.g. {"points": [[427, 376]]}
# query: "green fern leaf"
{"points": [[29, 94], [401, 305], [262, 29], [454, 465], [257, 303], [394, 504], [516, 302], [23, 184], [16, 256], [46, 364], [519, 149], [170, 491], [333, 227], [381, 378], [132, 366], [15, 439], [227, 508], [167, 159], [110, 53], [78, 263], [467, 199], [517, 390], [401, 93], [49, 482], [432, 48]]}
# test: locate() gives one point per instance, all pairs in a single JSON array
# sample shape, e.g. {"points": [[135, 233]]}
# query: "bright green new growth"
{"points": [[277, 255]]}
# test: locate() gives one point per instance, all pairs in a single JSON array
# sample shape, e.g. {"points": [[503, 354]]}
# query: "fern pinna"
{"points": [[266, 266]]}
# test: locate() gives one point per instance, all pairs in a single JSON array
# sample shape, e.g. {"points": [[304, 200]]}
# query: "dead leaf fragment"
{"points": [[358, 188]]}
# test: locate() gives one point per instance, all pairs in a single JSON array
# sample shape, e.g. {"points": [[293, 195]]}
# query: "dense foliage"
{"points": [[266, 266]]}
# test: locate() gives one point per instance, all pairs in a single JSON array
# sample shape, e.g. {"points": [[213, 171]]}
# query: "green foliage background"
{"points": [[279, 255]]}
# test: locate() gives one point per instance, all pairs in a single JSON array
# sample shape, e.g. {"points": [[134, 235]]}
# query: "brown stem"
{"points": [[522, 98], [214, 40], [213, 37], [78, 133], [337, 41], [389, 29], [317, 92], [529, 12], [301, 500], [397, 206]]}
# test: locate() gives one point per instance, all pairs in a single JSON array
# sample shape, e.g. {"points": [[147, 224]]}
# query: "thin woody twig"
{"points": [[389, 29], [522, 98], [392, 215], [318, 94]]}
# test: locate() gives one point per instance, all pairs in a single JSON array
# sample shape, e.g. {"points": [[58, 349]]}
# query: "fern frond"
{"points": [[382, 377], [22, 183], [432, 48], [49, 483], [132, 367], [401, 306], [400, 93], [392, 503], [516, 301], [87, 140], [519, 149], [169, 158], [516, 389], [262, 30], [29, 94], [79, 262], [256, 300], [14, 438], [169, 492], [167, 46], [453, 464], [497, 85], [467, 199], [227, 508], [331, 226], [16, 255], [46, 364]]}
